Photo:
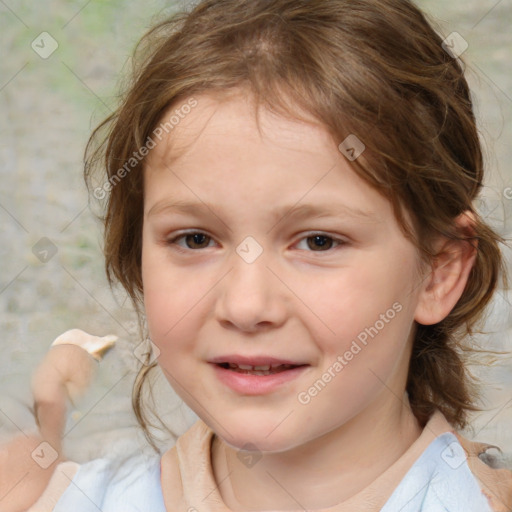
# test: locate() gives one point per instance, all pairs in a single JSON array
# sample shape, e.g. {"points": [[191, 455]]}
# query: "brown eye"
{"points": [[197, 239], [192, 241], [320, 241]]}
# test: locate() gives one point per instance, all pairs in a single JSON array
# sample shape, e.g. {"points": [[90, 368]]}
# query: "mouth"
{"points": [[253, 375], [267, 369]]}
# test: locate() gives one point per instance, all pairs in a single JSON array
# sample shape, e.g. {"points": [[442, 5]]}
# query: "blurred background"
{"points": [[62, 62]]}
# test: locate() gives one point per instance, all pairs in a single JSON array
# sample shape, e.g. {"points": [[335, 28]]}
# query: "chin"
{"points": [[259, 436], [257, 444]]}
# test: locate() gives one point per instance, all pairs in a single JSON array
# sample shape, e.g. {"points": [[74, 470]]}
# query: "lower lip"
{"points": [[247, 384]]}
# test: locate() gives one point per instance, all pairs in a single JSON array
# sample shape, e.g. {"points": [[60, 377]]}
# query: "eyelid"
{"points": [[339, 241], [173, 240]]}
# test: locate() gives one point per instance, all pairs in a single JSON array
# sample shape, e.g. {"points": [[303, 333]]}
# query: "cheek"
{"points": [[175, 302], [370, 302], [164, 295], [170, 308]]}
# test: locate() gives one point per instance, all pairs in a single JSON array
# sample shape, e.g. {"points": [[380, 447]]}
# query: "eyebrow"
{"points": [[286, 211]]}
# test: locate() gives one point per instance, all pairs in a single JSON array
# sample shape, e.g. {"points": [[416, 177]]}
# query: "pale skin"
{"points": [[290, 302], [64, 372], [293, 301]]}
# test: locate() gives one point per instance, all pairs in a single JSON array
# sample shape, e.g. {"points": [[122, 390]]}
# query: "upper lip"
{"points": [[254, 360]]}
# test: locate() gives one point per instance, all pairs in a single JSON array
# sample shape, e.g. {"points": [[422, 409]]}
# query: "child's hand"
{"points": [[65, 373]]}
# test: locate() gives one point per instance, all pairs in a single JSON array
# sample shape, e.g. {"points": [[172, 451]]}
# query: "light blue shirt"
{"points": [[101, 486], [439, 481]]}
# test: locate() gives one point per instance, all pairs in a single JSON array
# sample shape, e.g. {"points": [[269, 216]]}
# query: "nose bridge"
{"points": [[250, 294], [249, 275]]}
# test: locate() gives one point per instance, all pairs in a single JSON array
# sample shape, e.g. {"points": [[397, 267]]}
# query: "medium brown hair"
{"points": [[373, 68]]}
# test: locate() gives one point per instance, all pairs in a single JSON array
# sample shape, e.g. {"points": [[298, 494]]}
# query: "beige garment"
{"points": [[188, 482], [59, 482]]}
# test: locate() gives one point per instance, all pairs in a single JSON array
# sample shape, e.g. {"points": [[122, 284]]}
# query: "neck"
{"points": [[322, 473]]}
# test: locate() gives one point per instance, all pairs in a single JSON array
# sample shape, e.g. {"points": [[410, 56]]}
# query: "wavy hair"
{"points": [[373, 68]]}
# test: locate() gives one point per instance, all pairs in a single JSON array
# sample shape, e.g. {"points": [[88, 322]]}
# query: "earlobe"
{"points": [[448, 275]]}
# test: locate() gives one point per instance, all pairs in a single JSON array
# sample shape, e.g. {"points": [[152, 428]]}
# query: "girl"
{"points": [[289, 202]]}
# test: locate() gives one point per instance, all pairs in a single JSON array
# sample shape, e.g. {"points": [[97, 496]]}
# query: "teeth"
{"points": [[261, 368]]}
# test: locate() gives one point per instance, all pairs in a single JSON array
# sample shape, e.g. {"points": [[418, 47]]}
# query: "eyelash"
{"points": [[173, 241]]}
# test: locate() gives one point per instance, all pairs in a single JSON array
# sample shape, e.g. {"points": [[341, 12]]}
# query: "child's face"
{"points": [[345, 310]]}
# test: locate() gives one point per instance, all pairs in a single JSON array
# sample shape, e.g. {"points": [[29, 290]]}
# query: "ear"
{"points": [[448, 274]]}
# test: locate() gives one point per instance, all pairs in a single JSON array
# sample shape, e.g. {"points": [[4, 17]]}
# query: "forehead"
{"points": [[227, 117], [223, 159]]}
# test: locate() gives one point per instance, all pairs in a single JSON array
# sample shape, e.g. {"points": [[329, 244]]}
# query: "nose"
{"points": [[250, 297]]}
